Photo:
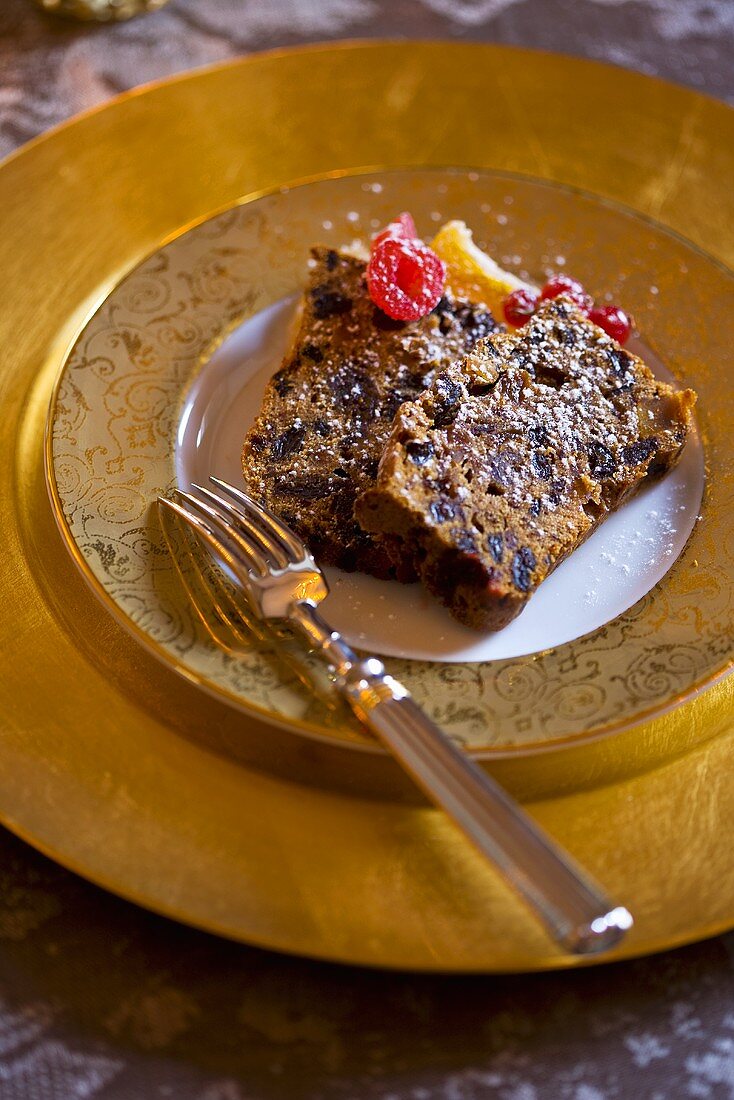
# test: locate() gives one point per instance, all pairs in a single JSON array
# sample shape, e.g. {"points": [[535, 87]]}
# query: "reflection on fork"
{"points": [[276, 577], [232, 625]]}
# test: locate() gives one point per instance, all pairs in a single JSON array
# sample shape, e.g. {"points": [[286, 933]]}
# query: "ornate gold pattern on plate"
{"points": [[120, 395], [137, 779]]}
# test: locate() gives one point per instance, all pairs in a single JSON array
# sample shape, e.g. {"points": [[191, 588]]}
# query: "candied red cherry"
{"points": [[403, 226], [405, 278], [615, 322], [564, 284], [519, 306]]}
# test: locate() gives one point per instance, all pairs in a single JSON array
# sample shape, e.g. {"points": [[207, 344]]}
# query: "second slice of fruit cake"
{"points": [[508, 462], [327, 413]]}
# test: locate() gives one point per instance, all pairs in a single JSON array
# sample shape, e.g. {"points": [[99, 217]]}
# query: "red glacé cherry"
{"points": [[519, 306], [405, 278], [615, 322], [564, 284], [403, 226]]}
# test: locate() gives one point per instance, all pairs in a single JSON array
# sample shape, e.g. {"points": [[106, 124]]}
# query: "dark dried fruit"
{"points": [[282, 383], [480, 389], [289, 443], [332, 259], [541, 464], [602, 462], [442, 510], [549, 375], [257, 443], [321, 427], [564, 335], [448, 398], [620, 362], [657, 469], [346, 446], [327, 303], [496, 547], [384, 323], [476, 322], [538, 435], [312, 352], [445, 324], [342, 503], [445, 416], [465, 542], [639, 451], [523, 564], [353, 389], [420, 453], [416, 381], [392, 402]]}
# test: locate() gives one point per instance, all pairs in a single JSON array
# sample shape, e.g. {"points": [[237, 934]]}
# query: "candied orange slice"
{"points": [[471, 273]]}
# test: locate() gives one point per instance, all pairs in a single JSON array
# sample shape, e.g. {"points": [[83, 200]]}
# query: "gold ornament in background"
{"points": [[99, 11]]}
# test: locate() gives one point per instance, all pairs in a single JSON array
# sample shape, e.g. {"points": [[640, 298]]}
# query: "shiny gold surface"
{"points": [[123, 771]]}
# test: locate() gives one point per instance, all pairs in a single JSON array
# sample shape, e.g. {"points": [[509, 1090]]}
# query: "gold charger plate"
{"points": [[127, 773]]}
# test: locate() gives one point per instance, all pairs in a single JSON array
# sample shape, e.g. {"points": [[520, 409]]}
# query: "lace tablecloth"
{"points": [[100, 999]]}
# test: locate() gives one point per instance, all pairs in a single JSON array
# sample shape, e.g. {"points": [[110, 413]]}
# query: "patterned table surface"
{"points": [[99, 999]]}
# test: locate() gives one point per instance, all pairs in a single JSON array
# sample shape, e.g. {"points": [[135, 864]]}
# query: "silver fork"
{"points": [[281, 581]]}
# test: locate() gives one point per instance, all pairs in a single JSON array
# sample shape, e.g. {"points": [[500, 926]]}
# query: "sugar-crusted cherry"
{"points": [[519, 306], [564, 284], [405, 278], [403, 226], [615, 322]]}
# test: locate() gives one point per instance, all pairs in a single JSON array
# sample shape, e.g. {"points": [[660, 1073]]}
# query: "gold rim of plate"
{"points": [[126, 772]]}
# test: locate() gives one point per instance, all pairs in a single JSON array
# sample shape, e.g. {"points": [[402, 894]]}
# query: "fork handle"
{"points": [[570, 904]]}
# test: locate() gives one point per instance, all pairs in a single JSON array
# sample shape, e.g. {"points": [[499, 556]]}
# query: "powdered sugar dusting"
{"points": [[585, 592]]}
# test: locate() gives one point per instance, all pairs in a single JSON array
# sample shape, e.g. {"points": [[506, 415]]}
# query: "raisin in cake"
{"points": [[510, 460], [327, 413]]}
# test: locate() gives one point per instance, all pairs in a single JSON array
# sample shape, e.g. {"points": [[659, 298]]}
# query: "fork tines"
{"points": [[245, 534]]}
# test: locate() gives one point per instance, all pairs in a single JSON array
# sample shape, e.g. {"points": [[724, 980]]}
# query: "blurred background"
{"points": [[52, 68]]}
